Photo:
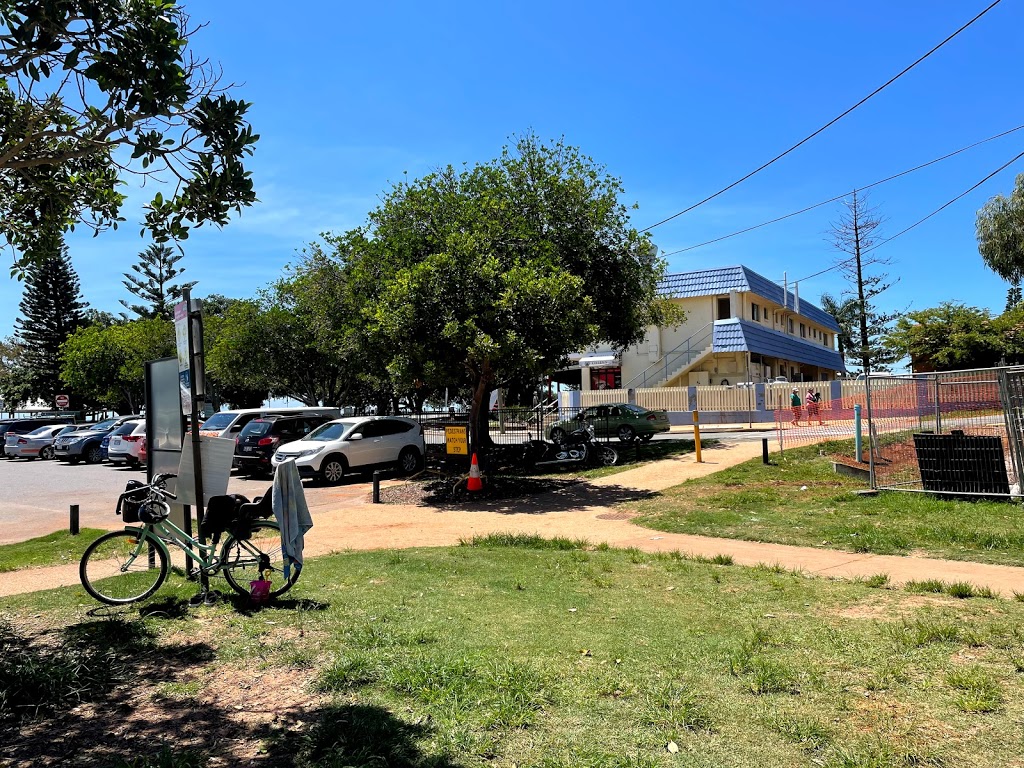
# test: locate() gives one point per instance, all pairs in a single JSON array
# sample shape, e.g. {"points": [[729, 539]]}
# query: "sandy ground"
{"points": [[598, 511]]}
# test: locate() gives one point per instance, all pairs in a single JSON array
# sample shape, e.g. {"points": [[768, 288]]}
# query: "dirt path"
{"points": [[599, 512]]}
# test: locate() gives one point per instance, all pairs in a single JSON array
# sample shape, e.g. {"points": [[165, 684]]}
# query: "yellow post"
{"points": [[696, 435]]}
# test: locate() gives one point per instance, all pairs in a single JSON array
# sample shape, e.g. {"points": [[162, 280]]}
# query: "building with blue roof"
{"points": [[740, 327]]}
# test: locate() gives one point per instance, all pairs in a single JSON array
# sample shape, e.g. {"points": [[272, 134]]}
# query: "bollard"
{"points": [[376, 486], [74, 520], [858, 440], [764, 450], [696, 435]]}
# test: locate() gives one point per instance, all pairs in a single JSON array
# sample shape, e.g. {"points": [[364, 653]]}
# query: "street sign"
{"points": [[63, 401], [457, 440]]}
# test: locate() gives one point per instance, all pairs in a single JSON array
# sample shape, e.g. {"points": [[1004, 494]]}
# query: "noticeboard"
{"points": [[457, 440]]}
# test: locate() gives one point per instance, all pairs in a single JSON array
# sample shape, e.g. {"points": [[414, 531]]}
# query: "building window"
{"points": [[606, 378], [755, 312], [724, 308], [791, 325], [803, 331]]}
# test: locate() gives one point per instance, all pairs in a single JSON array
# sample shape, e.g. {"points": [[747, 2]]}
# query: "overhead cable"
{"points": [[827, 125]]}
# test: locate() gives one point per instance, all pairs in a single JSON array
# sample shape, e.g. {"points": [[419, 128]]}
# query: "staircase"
{"points": [[673, 365]]}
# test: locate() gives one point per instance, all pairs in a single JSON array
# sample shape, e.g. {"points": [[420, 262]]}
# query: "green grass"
{"points": [[515, 650], [756, 502], [57, 548]]}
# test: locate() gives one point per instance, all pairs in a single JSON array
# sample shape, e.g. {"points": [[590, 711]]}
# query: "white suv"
{"points": [[356, 444]]}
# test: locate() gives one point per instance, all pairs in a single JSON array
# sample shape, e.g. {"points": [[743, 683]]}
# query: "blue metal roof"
{"points": [[745, 336], [713, 282]]}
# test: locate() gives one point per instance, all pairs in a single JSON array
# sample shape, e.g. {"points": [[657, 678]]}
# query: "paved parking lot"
{"points": [[35, 496]]}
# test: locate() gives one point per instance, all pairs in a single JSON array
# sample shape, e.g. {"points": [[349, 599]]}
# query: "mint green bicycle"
{"points": [[130, 565]]}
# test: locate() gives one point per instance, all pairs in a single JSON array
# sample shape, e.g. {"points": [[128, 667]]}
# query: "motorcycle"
{"points": [[578, 447]]}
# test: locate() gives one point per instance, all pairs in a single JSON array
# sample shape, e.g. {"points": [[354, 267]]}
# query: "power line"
{"points": [[917, 223], [840, 197], [829, 124]]}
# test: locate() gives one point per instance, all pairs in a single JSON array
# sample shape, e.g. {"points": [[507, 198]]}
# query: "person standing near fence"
{"points": [[794, 401], [813, 409]]}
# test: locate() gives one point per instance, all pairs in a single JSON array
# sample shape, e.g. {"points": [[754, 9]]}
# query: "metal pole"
{"points": [[871, 434], [696, 435], [858, 438], [938, 409], [73, 528], [197, 454]]}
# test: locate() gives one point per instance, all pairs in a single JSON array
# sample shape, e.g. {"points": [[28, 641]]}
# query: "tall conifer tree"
{"points": [[151, 282], [51, 310]]}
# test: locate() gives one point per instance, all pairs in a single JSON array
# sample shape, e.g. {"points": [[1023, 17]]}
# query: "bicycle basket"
{"points": [[129, 509]]}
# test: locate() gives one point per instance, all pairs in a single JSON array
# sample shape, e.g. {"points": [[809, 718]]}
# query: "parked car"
{"points": [[356, 444], [231, 423], [124, 443], [37, 444], [143, 451], [260, 438], [24, 426], [85, 444], [625, 421]]}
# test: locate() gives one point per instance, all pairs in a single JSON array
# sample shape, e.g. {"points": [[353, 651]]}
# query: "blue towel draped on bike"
{"points": [[289, 502]]}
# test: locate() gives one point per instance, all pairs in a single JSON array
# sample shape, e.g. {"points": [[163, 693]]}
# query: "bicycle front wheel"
{"points": [[243, 559], [123, 567]]}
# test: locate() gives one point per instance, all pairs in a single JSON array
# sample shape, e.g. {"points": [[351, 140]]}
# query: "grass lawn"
{"points": [[800, 500], [55, 548], [515, 651]]}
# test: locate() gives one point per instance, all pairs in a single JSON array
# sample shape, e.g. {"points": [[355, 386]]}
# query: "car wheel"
{"points": [[46, 452], [409, 461], [626, 433], [557, 435], [647, 437], [93, 455], [332, 471]]}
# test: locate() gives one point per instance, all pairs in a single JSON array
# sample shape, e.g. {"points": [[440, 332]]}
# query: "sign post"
{"points": [[188, 330]]}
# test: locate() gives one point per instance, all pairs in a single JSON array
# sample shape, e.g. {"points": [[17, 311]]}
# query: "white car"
{"points": [[126, 442], [356, 444]]}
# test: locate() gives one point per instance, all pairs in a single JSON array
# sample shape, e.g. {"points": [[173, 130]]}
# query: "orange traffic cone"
{"points": [[474, 483]]}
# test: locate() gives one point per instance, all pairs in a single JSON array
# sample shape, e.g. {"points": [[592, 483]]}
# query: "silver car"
{"points": [[37, 444]]}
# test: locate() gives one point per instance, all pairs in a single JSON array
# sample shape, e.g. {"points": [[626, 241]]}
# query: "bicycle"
{"points": [[130, 565]]}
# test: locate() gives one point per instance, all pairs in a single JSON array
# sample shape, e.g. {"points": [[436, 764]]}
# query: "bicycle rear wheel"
{"points": [[243, 559], [117, 569]]}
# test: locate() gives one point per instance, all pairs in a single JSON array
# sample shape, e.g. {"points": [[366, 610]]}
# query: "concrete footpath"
{"points": [[599, 512]]}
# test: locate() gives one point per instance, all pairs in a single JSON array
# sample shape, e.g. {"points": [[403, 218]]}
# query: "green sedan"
{"points": [[625, 421]]}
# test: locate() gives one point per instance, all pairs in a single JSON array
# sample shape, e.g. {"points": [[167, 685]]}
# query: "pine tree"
{"points": [[51, 310], [152, 283], [1013, 297]]}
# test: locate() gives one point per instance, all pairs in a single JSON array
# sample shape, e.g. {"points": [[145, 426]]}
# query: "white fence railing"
{"points": [[728, 398]]}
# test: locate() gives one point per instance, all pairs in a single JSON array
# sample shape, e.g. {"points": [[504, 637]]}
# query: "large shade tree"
{"points": [[500, 270], [94, 92], [948, 337]]}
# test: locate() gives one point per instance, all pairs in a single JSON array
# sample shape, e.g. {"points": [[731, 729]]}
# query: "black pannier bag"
{"points": [[128, 507]]}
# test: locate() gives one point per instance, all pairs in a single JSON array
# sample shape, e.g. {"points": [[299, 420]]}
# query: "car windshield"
{"points": [[332, 430], [256, 428], [103, 425], [40, 431], [636, 410], [126, 429], [69, 428], [220, 420]]}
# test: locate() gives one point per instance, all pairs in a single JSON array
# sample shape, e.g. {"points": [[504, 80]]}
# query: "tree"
{"points": [[51, 310], [844, 311], [478, 276], [151, 282], [855, 234], [107, 365], [1013, 296], [98, 91], [947, 338], [1000, 230], [15, 388], [219, 391]]}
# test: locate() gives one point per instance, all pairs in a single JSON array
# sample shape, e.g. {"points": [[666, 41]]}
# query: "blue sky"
{"points": [[676, 99]]}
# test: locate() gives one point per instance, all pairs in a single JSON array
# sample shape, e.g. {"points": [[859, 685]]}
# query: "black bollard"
{"points": [[376, 486], [764, 450], [74, 520]]}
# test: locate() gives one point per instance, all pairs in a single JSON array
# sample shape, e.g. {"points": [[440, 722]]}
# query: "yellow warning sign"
{"points": [[457, 440]]}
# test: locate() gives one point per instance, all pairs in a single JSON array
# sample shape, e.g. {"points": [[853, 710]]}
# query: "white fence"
{"points": [[725, 398]]}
